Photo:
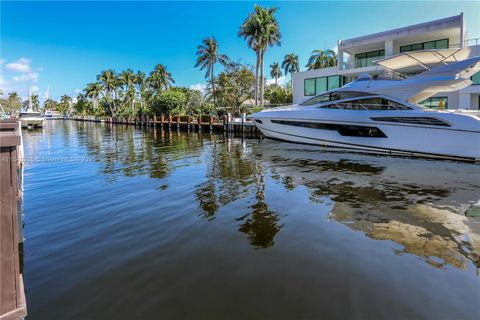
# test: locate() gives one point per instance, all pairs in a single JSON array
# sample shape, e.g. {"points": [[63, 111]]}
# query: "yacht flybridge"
{"points": [[382, 116]]}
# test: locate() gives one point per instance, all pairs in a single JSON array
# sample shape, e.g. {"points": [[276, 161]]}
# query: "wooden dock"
{"points": [[12, 294], [202, 123]]}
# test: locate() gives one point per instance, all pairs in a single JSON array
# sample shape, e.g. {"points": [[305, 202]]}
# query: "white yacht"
{"points": [[382, 116], [31, 119]]}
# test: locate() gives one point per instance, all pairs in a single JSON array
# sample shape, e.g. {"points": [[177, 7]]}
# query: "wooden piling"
{"points": [[12, 293]]}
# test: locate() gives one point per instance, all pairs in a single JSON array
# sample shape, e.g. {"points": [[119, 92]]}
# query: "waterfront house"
{"points": [[358, 55]]}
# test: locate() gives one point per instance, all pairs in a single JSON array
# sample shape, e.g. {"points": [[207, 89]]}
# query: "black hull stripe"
{"points": [[383, 150], [373, 122]]}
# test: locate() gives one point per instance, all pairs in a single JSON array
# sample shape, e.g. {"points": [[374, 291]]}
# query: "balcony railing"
{"points": [[352, 64], [471, 42]]}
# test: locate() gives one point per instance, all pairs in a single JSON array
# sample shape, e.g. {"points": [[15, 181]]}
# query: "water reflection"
{"points": [[418, 204]]}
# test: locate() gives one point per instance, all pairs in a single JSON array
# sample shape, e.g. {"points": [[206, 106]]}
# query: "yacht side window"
{"points": [[332, 96], [316, 100], [368, 104]]}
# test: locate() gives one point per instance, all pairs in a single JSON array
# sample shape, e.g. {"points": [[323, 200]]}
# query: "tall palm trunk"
{"points": [[213, 89], [256, 76], [262, 83]]}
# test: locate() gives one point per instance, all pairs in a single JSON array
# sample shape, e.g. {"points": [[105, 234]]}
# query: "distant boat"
{"points": [[52, 115], [32, 119]]}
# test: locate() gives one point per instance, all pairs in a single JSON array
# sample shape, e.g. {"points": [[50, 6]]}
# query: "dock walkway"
{"points": [[12, 294]]}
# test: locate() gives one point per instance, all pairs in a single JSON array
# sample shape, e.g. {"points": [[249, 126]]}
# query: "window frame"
{"points": [[364, 56], [422, 45], [339, 83]]}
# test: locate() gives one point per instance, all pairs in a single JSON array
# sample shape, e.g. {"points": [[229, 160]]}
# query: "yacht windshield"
{"points": [[333, 96], [374, 103]]}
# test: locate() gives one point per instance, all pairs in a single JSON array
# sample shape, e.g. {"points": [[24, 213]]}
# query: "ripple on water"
{"points": [[152, 223]]}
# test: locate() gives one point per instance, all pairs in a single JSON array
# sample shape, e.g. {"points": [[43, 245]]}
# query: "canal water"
{"points": [[125, 223]]}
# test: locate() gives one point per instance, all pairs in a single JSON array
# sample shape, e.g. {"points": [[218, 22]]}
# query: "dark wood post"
{"points": [[169, 121], [199, 123], [162, 120], [12, 293]]}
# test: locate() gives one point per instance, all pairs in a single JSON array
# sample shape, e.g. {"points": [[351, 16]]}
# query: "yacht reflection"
{"points": [[418, 204]]}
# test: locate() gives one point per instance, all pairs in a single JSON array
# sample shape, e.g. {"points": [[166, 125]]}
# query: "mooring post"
{"points": [[188, 123], [169, 121], [243, 122], [199, 123], [178, 122], [154, 120], [162, 120], [210, 123], [228, 122]]}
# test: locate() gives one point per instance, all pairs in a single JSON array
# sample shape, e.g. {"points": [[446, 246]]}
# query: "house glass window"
{"points": [[333, 82], [315, 86], [367, 59], [476, 78], [436, 44], [309, 87], [321, 85]]}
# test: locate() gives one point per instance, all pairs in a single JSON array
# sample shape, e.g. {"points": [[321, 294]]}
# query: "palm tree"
{"points": [[93, 91], [322, 59], [35, 101], [160, 79], [129, 98], [109, 82], [14, 100], [65, 103], [261, 30], [13, 97], [207, 57], [275, 71], [290, 65], [141, 82], [50, 104], [127, 78]]}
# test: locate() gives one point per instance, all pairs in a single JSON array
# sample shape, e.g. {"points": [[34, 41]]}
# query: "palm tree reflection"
{"points": [[234, 173]]}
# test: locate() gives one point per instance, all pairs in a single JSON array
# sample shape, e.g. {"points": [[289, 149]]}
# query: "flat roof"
{"points": [[446, 23]]}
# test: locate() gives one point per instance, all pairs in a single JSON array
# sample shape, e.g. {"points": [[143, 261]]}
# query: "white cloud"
{"points": [[34, 89], [32, 76], [280, 81], [199, 86], [2, 61], [21, 65]]}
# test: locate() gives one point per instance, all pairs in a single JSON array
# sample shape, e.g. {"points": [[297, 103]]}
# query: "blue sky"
{"points": [[64, 45]]}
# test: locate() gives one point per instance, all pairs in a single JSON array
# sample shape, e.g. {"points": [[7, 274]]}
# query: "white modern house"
{"points": [[357, 56]]}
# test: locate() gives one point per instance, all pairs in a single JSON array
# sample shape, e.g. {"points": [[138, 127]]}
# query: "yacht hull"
{"points": [[408, 140], [32, 122]]}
